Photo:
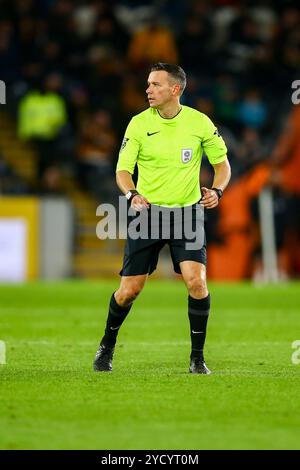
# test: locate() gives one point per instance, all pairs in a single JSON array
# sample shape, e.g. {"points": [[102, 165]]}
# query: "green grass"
{"points": [[51, 399]]}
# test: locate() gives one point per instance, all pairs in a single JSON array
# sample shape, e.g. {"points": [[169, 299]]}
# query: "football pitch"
{"points": [[50, 398]]}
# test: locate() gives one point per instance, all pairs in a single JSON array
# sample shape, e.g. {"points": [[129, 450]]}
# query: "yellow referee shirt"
{"points": [[168, 154]]}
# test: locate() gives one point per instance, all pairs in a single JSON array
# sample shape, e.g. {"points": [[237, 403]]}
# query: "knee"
{"points": [[197, 287], [126, 295]]}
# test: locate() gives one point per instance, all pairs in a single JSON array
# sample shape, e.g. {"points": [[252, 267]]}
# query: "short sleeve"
{"points": [[212, 142], [129, 149]]}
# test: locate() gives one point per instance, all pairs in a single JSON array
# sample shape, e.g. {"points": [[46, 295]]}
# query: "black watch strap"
{"points": [[218, 191], [130, 194], [134, 193]]}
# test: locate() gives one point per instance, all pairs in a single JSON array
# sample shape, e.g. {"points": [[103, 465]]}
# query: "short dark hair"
{"points": [[176, 72]]}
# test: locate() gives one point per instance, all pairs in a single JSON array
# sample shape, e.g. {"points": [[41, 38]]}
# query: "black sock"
{"points": [[115, 318], [198, 316]]}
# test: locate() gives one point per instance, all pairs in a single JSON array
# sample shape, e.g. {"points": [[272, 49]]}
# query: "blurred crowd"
{"points": [[76, 72]]}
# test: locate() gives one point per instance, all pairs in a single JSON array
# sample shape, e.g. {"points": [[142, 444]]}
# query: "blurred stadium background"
{"points": [[75, 72]]}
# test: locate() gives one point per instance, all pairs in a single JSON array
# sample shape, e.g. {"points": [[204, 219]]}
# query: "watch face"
{"points": [[128, 195]]}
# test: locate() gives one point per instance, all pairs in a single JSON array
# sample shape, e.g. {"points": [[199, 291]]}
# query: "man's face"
{"points": [[161, 89]]}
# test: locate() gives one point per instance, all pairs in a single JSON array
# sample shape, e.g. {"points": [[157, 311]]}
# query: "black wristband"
{"points": [[130, 194], [218, 191], [134, 193]]}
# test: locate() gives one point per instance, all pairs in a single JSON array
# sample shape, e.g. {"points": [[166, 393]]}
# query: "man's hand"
{"points": [[209, 198], [139, 202]]}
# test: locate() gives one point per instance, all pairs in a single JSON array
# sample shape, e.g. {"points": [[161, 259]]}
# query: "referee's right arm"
{"points": [[125, 183], [126, 164]]}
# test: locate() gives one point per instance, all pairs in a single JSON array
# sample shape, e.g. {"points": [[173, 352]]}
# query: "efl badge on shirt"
{"points": [[186, 155], [125, 140]]}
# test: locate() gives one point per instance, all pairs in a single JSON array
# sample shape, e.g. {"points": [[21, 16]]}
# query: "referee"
{"points": [[166, 141]]}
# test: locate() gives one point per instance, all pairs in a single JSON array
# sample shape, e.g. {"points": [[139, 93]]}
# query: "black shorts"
{"points": [[141, 255]]}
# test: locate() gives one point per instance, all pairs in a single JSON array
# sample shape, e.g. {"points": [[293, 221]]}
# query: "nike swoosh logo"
{"points": [[152, 133], [197, 332], [116, 328]]}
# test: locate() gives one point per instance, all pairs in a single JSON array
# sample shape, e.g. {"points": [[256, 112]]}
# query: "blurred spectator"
{"points": [[252, 110], [96, 149], [288, 38], [226, 99], [248, 151], [85, 17], [132, 16], [110, 34], [195, 44], [59, 17], [154, 43], [51, 182], [42, 116], [133, 95], [172, 12], [204, 105], [244, 42], [78, 104], [52, 56], [265, 19]]}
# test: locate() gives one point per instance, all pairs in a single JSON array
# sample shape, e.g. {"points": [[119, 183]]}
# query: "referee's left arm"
{"points": [[210, 197], [216, 151], [222, 174]]}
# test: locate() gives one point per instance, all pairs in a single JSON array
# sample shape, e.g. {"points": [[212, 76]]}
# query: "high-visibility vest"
{"points": [[41, 115]]}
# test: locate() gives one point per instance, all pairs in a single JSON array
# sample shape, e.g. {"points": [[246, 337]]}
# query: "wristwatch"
{"points": [[218, 191], [130, 194]]}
